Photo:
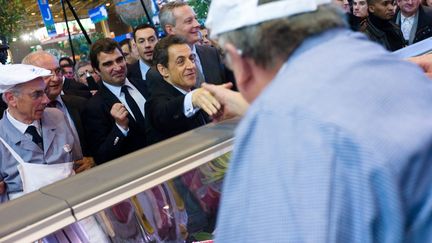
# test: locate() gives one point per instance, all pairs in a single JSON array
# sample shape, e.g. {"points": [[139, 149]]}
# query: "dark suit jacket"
{"points": [[72, 87], [105, 139], [164, 113], [75, 106], [134, 74], [424, 23]]}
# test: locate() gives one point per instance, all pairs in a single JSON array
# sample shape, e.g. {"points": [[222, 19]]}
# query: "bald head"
{"points": [[39, 58], [43, 59]]}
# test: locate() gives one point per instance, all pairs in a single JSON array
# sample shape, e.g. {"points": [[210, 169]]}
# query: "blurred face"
{"points": [[186, 24], [146, 40], [112, 67], [29, 103], [360, 8], [68, 72], [382, 9], [429, 3], [54, 83], [82, 74], [408, 7], [204, 37], [127, 54], [181, 67], [344, 4]]}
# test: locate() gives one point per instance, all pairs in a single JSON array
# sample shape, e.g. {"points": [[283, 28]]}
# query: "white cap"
{"points": [[13, 74], [228, 15]]}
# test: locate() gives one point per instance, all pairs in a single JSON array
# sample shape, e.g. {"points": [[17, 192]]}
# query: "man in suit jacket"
{"points": [[36, 134], [178, 18], [72, 106], [145, 37], [173, 106], [114, 116], [415, 20]]}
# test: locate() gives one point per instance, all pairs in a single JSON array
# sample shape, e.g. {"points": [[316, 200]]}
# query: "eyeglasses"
{"points": [[82, 74], [55, 72]]}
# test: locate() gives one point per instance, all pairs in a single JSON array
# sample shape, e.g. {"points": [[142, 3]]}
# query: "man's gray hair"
{"points": [[275, 40], [166, 15], [78, 66]]}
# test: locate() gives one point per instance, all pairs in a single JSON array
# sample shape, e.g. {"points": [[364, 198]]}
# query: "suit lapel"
{"points": [[48, 131], [13, 135]]}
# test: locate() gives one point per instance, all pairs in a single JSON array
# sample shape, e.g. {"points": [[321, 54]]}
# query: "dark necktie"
{"points": [[53, 104], [36, 138], [133, 105]]}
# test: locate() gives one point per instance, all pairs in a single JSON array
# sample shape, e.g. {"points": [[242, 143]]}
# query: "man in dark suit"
{"points": [[145, 37], [415, 20], [178, 18], [114, 116], [72, 87], [72, 106], [173, 107]]}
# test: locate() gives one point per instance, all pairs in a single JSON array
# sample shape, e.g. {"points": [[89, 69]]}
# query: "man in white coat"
{"points": [[37, 135]]}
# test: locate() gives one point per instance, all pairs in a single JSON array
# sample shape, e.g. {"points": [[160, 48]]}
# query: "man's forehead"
{"points": [[145, 33], [180, 12], [177, 48], [109, 55]]}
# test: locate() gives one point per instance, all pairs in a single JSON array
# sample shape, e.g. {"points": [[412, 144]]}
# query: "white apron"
{"points": [[35, 176]]}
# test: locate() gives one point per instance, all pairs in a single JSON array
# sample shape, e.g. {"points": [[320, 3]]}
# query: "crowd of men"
{"points": [[392, 23], [340, 154]]}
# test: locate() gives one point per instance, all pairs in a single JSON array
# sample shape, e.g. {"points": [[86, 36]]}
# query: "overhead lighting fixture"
{"points": [[107, 4], [56, 16], [14, 39], [25, 37], [50, 5], [33, 13]]}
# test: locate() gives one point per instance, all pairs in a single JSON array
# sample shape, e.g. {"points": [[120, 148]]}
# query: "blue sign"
{"points": [[125, 2], [47, 17], [98, 14]]}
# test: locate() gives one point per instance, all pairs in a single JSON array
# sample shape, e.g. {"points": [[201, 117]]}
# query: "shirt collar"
{"points": [[143, 68], [116, 90], [22, 127]]}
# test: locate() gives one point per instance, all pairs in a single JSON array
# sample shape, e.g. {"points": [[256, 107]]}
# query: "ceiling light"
{"points": [[107, 4], [56, 16], [14, 39], [50, 5], [33, 13]]}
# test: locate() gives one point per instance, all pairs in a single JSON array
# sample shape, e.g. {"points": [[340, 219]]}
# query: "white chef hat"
{"points": [[228, 15], [13, 74]]}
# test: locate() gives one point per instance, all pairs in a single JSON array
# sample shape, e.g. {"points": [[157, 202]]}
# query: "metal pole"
{"points": [[67, 27], [147, 14], [79, 22]]}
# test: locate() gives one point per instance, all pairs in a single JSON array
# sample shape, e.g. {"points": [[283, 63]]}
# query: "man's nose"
{"points": [[45, 99]]}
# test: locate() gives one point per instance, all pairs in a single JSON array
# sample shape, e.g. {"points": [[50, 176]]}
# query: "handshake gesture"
{"points": [[219, 102]]}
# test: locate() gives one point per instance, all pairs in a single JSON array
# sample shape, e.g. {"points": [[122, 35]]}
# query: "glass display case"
{"points": [[168, 192]]}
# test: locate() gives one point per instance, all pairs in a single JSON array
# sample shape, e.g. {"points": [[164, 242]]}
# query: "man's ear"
{"points": [[163, 71], [240, 66], [169, 29], [10, 99], [371, 8]]}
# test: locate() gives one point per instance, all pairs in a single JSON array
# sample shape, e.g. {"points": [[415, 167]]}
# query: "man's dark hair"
{"points": [[144, 26], [160, 53], [106, 45], [68, 60], [125, 42]]}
